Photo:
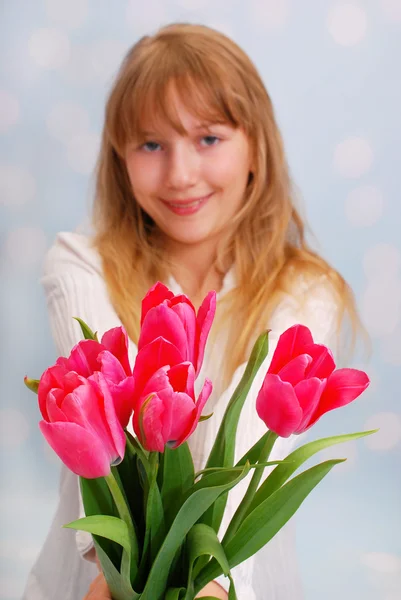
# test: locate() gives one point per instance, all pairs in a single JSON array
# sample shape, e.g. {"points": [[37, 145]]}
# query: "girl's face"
{"points": [[191, 185]]}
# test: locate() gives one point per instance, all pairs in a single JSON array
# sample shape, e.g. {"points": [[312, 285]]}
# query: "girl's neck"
{"points": [[194, 268]]}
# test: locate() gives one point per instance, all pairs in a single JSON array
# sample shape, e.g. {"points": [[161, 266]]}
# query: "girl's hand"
{"points": [[98, 589], [213, 589]]}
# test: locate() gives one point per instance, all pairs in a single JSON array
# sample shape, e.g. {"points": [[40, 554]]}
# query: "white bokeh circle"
{"points": [[390, 348], [82, 152], [146, 21], [14, 428], [392, 8], [49, 48], [66, 120], [17, 185], [25, 246], [389, 434], [382, 258], [353, 157], [270, 14], [364, 206], [67, 14], [9, 110], [381, 305], [347, 23], [382, 562], [96, 63]]}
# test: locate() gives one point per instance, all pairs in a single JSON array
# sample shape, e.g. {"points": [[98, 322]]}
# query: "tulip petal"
{"points": [[123, 394], [162, 321], [155, 296], [322, 361], [277, 405], [116, 341], [343, 386], [149, 424], [182, 378], [110, 416], [53, 405], [186, 312], [308, 393], [83, 357], [204, 320], [79, 449], [183, 417], [52, 378], [200, 404], [294, 371], [111, 367], [150, 359], [291, 343]]}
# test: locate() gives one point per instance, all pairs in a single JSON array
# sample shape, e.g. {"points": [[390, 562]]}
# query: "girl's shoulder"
{"points": [[72, 253]]}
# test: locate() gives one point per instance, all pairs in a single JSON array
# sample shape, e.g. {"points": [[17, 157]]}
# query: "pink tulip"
{"points": [[109, 356], [167, 412], [302, 384], [81, 425], [174, 318]]}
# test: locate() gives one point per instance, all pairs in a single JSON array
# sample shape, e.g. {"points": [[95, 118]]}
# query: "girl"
{"points": [[192, 189]]}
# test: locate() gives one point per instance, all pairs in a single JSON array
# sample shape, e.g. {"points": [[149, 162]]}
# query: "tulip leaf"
{"points": [[112, 528], [202, 540], [294, 460], [177, 476], [175, 593], [32, 384], [261, 525], [86, 330], [205, 417], [190, 512], [223, 451], [119, 588], [97, 499]]}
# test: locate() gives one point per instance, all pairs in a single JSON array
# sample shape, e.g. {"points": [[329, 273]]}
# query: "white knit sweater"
{"points": [[74, 286]]}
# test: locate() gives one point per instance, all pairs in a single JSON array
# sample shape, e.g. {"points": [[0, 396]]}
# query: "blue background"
{"points": [[332, 69]]}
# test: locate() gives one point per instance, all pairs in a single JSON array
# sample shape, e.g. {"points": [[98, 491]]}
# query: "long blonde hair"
{"points": [[266, 243]]}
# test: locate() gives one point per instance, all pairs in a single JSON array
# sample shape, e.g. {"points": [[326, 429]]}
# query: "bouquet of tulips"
{"points": [[154, 520]]}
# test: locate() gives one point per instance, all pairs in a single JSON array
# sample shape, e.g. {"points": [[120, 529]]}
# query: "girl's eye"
{"points": [[150, 146], [210, 140]]}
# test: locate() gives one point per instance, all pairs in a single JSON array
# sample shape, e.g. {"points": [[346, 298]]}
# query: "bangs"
{"points": [[147, 100]]}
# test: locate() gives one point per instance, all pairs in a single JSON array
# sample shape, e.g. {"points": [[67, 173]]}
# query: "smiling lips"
{"points": [[186, 207]]}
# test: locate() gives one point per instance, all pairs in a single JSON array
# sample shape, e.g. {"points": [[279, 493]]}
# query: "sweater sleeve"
{"points": [[74, 287]]}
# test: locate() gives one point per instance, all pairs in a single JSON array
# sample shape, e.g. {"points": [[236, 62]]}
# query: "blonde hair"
{"points": [[266, 242]]}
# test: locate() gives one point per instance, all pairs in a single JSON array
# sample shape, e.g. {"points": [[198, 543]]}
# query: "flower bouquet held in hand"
{"points": [[154, 520]]}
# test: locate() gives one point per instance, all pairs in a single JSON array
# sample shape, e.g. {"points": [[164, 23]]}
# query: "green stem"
{"points": [[252, 488], [125, 515]]}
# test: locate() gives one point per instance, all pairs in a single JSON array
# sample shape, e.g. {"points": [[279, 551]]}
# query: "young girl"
{"points": [[193, 190]]}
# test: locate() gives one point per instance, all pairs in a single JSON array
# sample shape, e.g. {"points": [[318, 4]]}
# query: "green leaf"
{"points": [[32, 384], [205, 417], [223, 451], [119, 588], [175, 593], [193, 508], [202, 540], [176, 478], [267, 519], [283, 471], [97, 500], [112, 528], [86, 330]]}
